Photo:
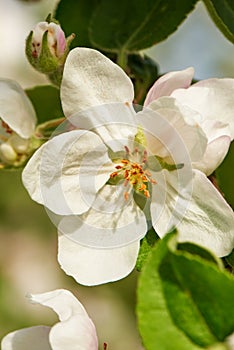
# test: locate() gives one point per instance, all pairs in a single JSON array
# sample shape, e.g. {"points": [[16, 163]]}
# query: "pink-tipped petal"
{"points": [[169, 82]]}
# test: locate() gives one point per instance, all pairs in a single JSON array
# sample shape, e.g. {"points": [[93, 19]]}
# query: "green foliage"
{"points": [[143, 71], [121, 25], [147, 243], [135, 25], [230, 259], [184, 299], [46, 102], [74, 17], [222, 13]]}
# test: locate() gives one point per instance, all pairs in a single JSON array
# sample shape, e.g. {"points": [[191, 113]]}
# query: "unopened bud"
{"points": [[56, 40], [47, 48], [19, 144], [7, 153]]}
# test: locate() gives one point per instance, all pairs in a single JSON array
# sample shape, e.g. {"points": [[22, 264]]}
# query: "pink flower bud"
{"points": [[56, 39]]}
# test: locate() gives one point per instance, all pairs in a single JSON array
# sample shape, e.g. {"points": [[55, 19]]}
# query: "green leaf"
{"points": [[74, 17], [197, 250], [144, 72], [222, 13], [225, 176], [184, 300], [128, 26], [46, 102], [157, 163], [147, 243], [230, 259]]}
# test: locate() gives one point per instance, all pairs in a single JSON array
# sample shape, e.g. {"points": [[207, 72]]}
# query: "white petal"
{"points": [[66, 172], [114, 122], [165, 85], [175, 125], [76, 330], [36, 338], [91, 79], [215, 129], [16, 109], [61, 301], [91, 266], [219, 139], [111, 222], [77, 333], [206, 219], [230, 341], [171, 196], [214, 155], [212, 98]]}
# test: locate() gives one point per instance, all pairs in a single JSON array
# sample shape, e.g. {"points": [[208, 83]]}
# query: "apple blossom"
{"points": [[17, 122], [121, 172], [213, 99], [75, 330]]}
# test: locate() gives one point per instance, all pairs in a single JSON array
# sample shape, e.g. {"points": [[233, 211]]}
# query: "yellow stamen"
{"points": [[134, 174]]}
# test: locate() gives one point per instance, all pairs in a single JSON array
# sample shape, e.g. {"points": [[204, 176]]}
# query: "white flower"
{"points": [[74, 331], [76, 174], [17, 121], [213, 99]]}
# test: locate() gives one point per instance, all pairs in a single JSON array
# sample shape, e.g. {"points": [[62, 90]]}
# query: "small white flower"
{"points": [[17, 121], [91, 176], [74, 331]]}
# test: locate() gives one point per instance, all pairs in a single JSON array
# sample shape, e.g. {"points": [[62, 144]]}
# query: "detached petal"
{"points": [[77, 333], [169, 82], [61, 301], [174, 124], [76, 330], [36, 338], [91, 79], [204, 219], [91, 266], [212, 98], [66, 172], [16, 109], [111, 222]]}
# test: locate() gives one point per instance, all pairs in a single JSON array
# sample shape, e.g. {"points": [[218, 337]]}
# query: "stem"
{"points": [[56, 76], [122, 59], [48, 125]]}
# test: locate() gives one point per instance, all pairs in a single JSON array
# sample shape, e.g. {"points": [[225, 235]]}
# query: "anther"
{"points": [[127, 149], [153, 181], [126, 195], [147, 194]]}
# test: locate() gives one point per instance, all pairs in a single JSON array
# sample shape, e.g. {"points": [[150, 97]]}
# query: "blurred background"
{"points": [[28, 240]]}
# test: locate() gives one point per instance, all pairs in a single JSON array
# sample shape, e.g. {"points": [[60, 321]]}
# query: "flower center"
{"points": [[134, 173]]}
